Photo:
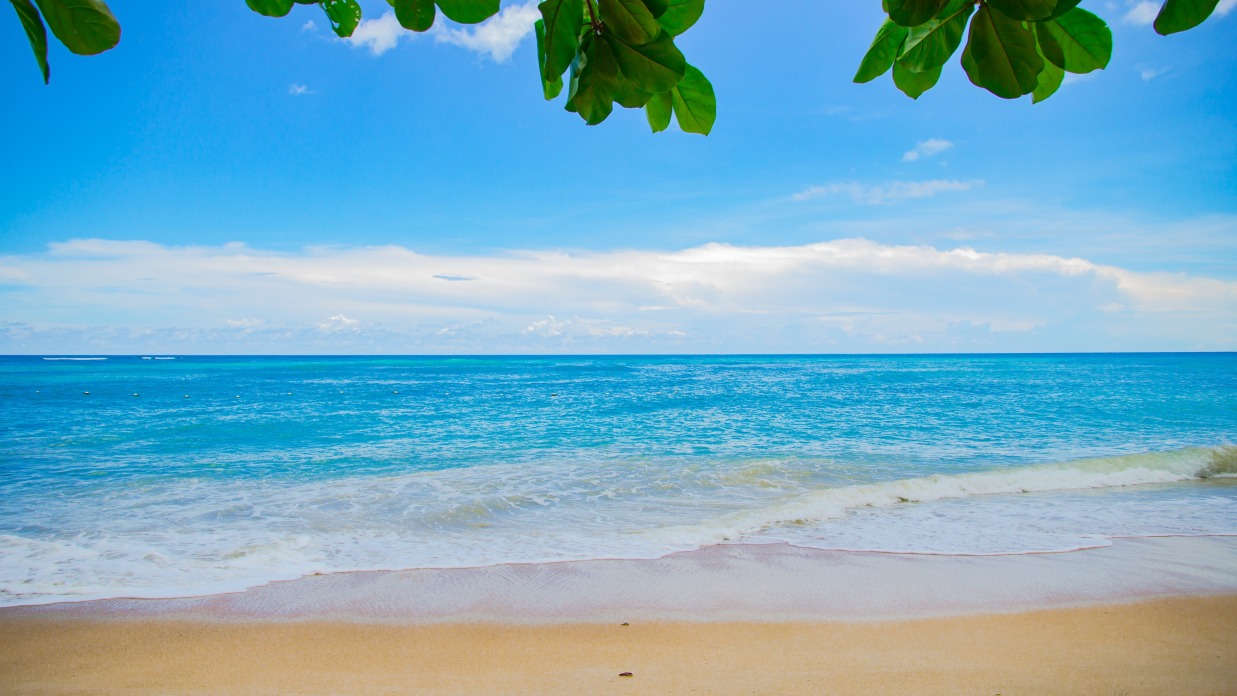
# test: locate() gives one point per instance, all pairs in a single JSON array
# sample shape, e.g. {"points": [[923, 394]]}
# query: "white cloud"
{"points": [[926, 148], [1142, 13], [378, 35], [497, 36], [309, 26], [297, 90], [339, 323], [1225, 7], [841, 295], [891, 192], [548, 327]]}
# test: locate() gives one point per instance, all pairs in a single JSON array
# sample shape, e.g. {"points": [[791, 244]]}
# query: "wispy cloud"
{"points": [[297, 90], [891, 192], [1149, 74], [926, 148], [840, 295], [498, 36], [1142, 12]]}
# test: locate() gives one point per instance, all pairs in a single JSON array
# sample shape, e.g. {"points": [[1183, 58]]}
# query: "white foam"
{"points": [[176, 537]]}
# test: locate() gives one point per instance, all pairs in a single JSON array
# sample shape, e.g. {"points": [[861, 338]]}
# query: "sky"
{"points": [[226, 183]]}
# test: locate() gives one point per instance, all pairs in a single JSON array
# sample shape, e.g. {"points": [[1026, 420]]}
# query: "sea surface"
{"points": [[158, 476]]}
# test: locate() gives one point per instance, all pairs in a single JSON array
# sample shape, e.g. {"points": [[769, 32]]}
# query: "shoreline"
{"points": [[726, 582], [1143, 616]]}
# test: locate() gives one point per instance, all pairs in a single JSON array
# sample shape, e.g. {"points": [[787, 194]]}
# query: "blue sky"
{"points": [[228, 183]]}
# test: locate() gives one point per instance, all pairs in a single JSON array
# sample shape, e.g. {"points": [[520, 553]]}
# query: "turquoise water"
{"points": [[140, 476]]}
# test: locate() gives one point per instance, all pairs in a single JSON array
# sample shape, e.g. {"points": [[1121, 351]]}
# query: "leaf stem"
{"points": [[592, 15]]}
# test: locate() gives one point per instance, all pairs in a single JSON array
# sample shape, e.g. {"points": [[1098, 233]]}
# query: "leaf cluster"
{"points": [[1013, 47], [623, 52]]}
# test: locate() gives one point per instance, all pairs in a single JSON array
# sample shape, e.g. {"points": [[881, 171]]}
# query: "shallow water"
{"points": [[199, 475]]}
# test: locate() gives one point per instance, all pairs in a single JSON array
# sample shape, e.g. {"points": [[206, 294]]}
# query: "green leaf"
{"points": [[563, 21], [680, 15], [631, 97], [695, 104], [912, 13], [344, 15], [1001, 56], [913, 84], [85, 27], [1063, 6], [880, 55], [653, 67], [416, 15], [930, 44], [657, 7], [1077, 41], [594, 86], [659, 110], [36, 34], [1050, 79], [549, 88], [271, 8], [1179, 15], [630, 20], [468, 11], [1027, 10]]}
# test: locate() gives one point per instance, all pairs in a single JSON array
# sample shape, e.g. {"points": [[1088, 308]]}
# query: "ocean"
{"points": [[161, 476]]}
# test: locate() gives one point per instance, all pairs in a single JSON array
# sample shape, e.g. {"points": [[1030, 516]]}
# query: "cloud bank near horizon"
{"points": [[845, 295]]}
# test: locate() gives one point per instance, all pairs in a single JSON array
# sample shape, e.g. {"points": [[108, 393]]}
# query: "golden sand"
{"points": [[1170, 646]]}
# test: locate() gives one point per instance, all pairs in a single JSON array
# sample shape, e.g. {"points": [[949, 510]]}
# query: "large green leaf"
{"points": [[1063, 6], [271, 8], [1049, 81], [563, 21], [1179, 15], [912, 13], [680, 15], [913, 84], [36, 34], [1028, 10], [593, 87], [1077, 41], [653, 67], [658, 111], [416, 15], [880, 55], [1000, 55], [695, 104], [631, 97], [930, 44], [85, 27], [630, 19], [344, 15], [468, 11], [549, 88], [657, 7]]}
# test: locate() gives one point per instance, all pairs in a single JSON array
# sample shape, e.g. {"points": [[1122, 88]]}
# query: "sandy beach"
{"points": [[1170, 646], [1143, 616]]}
